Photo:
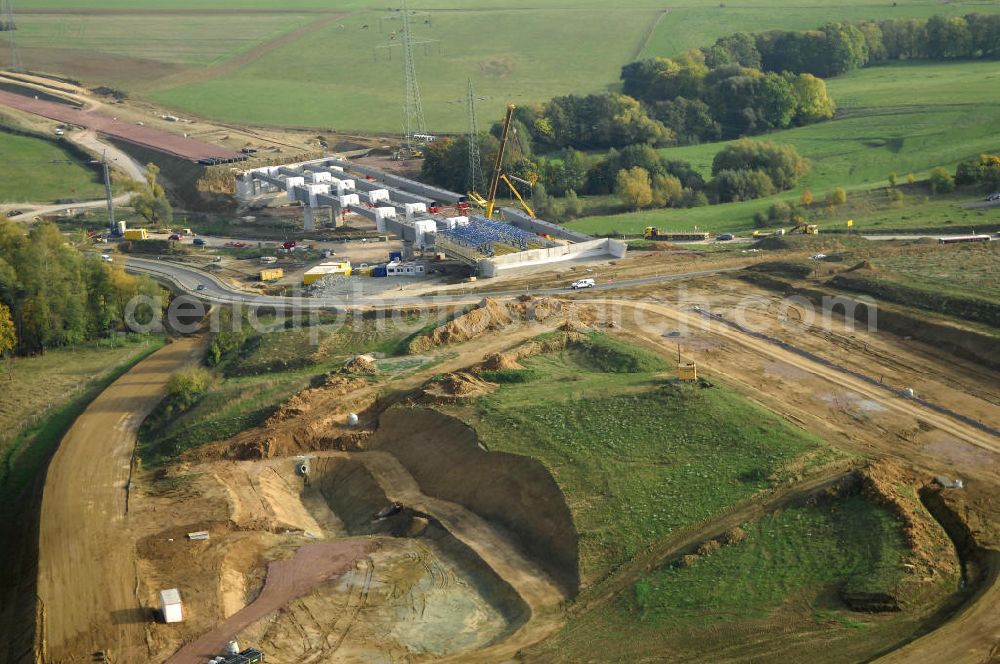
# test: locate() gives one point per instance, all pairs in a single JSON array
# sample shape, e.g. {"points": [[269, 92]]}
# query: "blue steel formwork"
{"points": [[481, 234]]}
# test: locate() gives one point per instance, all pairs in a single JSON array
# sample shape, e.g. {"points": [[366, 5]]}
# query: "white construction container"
{"points": [[426, 230], [170, 605], [413, 208], [322, 176], [345, 187], [348, 200], [337, 168], [377, 195], [460, 221], [292, 182]]}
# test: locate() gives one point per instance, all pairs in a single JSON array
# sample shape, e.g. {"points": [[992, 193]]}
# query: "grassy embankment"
{"points": [[269, 368], [903, 118], [771, 596], [47, 393], [39, 171], [636, 459]]}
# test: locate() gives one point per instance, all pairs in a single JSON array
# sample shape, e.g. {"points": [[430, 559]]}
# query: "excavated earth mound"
{"points": [[362, 364], [491, 315], [315, 419], [457, 386]]}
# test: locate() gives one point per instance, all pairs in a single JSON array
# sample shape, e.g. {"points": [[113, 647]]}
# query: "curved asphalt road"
{"points": [[188, 279]]}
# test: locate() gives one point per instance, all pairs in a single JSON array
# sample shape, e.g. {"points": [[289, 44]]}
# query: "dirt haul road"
{"points": [[86, 567]]}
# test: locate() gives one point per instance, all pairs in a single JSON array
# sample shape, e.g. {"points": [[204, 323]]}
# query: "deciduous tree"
{"points": [[149, 199], [634, 188]]}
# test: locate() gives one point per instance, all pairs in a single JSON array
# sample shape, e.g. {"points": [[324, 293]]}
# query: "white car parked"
{"points": [[583, 283]]}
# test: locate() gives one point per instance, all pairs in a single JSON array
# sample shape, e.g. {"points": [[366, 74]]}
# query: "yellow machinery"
{"points": [[488, 203], [804, 228], [136, 234], [687, 372], [759, 234], [272, 274]]}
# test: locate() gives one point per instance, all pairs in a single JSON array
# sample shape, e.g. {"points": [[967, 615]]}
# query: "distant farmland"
{"points": [[312, 63], [902, 118]]}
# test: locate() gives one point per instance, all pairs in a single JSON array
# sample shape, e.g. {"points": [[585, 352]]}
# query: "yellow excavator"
{"points": [[488, 203], [804, 228]]}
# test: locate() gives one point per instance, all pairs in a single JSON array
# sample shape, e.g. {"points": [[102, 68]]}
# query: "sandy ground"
{"points": [[257, 516], [287, 580], [86, 568]]}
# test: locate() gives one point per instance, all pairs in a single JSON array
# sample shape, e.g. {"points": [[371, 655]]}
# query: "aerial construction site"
{"points": [[295, 392]]}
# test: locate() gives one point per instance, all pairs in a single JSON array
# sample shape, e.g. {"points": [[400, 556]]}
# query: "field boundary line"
{"points": [[648, 37], [195, 75]]}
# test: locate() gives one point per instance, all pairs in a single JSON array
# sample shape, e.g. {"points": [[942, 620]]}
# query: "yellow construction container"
{"points": [[687, 371], [272, 275], [136, 234], [325, 270]]}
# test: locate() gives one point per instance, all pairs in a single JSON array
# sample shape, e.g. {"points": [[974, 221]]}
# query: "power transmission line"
{"points": [[9, 25]]}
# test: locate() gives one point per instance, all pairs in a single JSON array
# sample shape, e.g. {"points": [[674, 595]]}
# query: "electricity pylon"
{"points": [[476, 181]]}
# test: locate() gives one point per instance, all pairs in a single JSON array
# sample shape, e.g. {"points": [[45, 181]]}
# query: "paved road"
{"points": [[213, 290], [86, 568]]}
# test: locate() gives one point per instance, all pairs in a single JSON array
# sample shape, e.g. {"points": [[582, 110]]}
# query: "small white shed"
{"points": [[170, 605]]}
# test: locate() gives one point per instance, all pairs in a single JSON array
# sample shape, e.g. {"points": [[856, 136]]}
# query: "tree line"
{"points": [[638, 174], [746, 84], [55, 295]]}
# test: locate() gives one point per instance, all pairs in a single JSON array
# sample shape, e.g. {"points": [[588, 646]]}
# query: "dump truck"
{"points": [[136, 234]]}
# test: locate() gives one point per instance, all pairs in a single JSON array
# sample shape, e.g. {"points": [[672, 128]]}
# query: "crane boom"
{"points": [[491, 197]]}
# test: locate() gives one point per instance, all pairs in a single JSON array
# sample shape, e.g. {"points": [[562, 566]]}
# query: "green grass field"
{"points": [[904, 118], [334, 76], [23, 178], [351, 85], [185, 40], [635, 461], [778, 585], [963, 270]]}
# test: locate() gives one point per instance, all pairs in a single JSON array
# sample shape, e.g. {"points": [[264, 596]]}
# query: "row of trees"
{"points": [[56, 295], [638, 174], [700, 102], [741, 171], [837, 48]]}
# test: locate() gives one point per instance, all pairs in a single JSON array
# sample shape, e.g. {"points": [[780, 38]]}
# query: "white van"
{"points": [[583, 283]]}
